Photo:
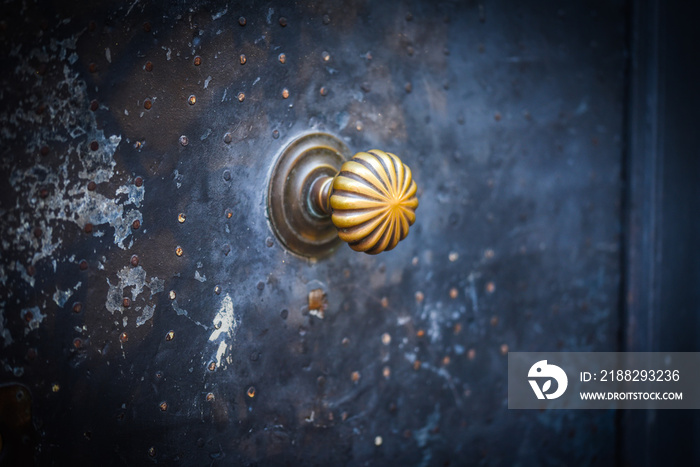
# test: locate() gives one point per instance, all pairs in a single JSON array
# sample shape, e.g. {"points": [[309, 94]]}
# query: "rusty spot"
{"points": [[88, 228], [163, 406], [38, 232], [44, 192], [92, 67], [318, 300], [126, 302], [44, 151], [416, 365], [243, 59], [497, 116], [453, 293], [138, 182], [94, 105], [283, 21], [92, 186], [210, 397], [147, 26], [94, 146], [147, 104], [123, 337], [136, 224], [420, 333], [77, 307], [228, 138], [77, 343], [170, 336], [494, 321], [324, 91], [148, 66], [355, 376], [197, 60], [31, 270], [83, 265], [212, 366], [385, 302], [242, 21], [251, 392]]}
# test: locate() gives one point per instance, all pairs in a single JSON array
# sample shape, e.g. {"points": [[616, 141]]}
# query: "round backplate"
{"points": [[293, 220]]}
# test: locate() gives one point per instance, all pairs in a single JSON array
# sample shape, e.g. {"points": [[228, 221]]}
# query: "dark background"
{"points": [[554, 146]]}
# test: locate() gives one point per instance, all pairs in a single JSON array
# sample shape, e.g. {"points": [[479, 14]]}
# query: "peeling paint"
{"points": [[225, 326], [183, 312], [135, 279], [83, 154], [62, 296], [36, 318], [147, 314]]}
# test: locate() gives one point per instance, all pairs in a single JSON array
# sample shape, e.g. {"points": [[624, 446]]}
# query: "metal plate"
{"points": [[303, 161], [511, 118]]}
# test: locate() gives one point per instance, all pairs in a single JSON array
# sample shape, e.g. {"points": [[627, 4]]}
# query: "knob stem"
{"points": [[319, 196]]}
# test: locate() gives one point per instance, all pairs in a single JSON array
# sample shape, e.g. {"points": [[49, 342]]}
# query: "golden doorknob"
{"points": [[371, 200]]}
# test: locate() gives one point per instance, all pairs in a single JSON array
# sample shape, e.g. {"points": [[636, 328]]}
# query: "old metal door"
{"points": [[151, 313]]}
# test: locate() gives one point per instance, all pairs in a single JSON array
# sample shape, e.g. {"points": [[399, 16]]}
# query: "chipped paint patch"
{"points": [[147, 314], [62, 296], [225, 326], [133, 278], [183, 312], [79, 153], [33, 317]]}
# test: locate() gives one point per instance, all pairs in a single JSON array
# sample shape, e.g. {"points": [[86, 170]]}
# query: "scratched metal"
{"points": [[510, 116]]}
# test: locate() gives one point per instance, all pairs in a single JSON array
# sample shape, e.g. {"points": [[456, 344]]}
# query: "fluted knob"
{"points": [[372, 201], [317, 197]]}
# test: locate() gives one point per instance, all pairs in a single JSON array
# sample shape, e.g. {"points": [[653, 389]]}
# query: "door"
{"points": [[150, 312]]}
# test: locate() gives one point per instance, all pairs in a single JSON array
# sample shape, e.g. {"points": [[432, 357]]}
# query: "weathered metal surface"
{"points": [[510, 116]]}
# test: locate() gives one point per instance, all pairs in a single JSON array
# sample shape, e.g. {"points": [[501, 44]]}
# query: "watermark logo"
{"points": [[541, 371]]}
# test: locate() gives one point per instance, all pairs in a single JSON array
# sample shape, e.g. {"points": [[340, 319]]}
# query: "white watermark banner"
{"points": [[604, 380]]}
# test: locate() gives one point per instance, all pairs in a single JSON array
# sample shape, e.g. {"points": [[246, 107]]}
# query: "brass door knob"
{"points": [[317, 197], [372, 201]]}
